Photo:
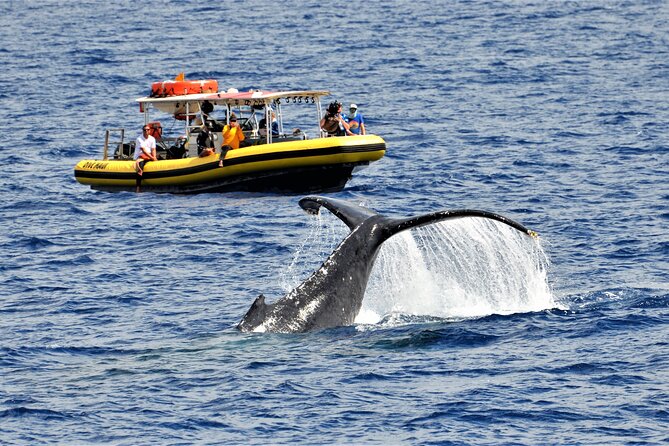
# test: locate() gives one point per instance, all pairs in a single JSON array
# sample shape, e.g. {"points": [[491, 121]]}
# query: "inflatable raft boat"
{"points": [[269, 161]]}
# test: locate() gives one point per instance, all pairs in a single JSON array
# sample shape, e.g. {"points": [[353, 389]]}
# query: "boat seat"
{"points": [[124, 151], [161, 149]]}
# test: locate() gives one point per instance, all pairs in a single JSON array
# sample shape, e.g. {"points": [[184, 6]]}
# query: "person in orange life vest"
{"points": [[232, 136], [145, 150], [232, 133]]}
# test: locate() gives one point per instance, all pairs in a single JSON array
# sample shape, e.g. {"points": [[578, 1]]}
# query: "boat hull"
{"points": [[324, 164]]}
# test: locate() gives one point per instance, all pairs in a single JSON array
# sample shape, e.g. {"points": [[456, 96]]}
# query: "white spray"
{"points": [[465, 268]]}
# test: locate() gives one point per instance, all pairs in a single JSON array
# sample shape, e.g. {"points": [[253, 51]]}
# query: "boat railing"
{"points": [[191, 120], [105, 153]]}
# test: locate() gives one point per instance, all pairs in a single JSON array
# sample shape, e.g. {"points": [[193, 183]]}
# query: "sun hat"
{"points": [[354, 106]]}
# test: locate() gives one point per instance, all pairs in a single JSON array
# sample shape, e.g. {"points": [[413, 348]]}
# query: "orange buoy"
{"points": [[178, 88]]}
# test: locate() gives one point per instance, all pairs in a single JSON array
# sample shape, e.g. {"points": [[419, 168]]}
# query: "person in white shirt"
{"points": [[145, 149]]}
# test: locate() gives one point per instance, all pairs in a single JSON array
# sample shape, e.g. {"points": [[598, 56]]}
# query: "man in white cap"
{"points": [[355, 120]]}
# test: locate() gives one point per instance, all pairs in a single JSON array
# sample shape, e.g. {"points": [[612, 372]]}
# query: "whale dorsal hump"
{"points": [[351, 214], [256, 314]]}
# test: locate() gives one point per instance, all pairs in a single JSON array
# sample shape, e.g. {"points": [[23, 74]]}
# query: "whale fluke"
{"points": [[332, 296], [351, 214]]}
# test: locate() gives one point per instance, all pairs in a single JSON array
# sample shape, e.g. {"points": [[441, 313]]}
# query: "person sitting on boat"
{"points": [[205, 141], [355, 120], [262, 125], [232, 133], [333, 123], [145, 149], [232, 136]]}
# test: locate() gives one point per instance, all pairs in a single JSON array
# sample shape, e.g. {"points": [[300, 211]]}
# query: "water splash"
{"points": [[464, 268], [324, 234]]}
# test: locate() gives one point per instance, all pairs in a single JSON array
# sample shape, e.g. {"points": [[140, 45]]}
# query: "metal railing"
{"points": [[105, 153]]}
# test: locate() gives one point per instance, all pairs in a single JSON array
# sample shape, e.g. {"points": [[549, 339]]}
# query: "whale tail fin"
{"points": [[398, 225], [353, 215], [332, 296], [255, 316]]}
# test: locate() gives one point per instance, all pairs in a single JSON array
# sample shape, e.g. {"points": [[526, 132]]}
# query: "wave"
{"points": [[40, 414]]}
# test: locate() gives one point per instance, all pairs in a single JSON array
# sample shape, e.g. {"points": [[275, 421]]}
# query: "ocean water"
{"points": [[118, 310]]}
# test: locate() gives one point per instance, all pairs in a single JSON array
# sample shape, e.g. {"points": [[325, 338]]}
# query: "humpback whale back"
{"points": [[332, 296]]}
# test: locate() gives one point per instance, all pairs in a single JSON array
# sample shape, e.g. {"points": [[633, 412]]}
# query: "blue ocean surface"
{"points": [[118, 310]]}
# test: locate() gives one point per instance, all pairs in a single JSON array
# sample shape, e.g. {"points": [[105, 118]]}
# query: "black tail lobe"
{"points": [[398, 225], [351, 214]]}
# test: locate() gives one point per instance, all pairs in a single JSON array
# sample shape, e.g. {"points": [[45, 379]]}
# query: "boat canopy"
{"points": [[177, 104], [189, 107]]}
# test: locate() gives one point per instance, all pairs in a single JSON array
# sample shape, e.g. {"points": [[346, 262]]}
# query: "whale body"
{"points": [[332, 296]]}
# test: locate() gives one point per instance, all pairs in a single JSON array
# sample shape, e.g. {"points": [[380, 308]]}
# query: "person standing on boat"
{"points": [[333, 123], [145, 149], [356, 121]]}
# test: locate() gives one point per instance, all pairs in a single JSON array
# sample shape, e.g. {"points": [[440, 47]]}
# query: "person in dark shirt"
{"points": [[333, 123]]}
